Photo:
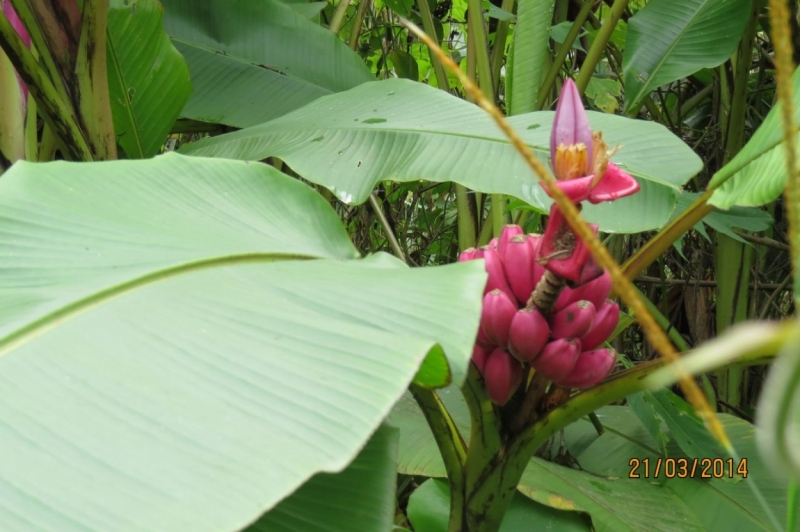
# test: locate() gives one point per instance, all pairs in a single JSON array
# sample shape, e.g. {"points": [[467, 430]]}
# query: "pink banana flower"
{"points": [[579, 157]]}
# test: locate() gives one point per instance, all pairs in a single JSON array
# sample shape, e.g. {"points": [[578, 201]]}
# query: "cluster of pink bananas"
{"points": [[563, 345], [560, 340]]}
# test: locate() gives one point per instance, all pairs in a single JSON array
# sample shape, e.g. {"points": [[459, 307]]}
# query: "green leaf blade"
{"points": [[242, 70], [529, 54], [359, 499], [200, 400], [404, 131], [757, 174], [148, 79], [671, 39]]}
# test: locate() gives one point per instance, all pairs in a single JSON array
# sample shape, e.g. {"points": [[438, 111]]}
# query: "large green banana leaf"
{"points": [[255, 60], [404, 131], [171, 358]]}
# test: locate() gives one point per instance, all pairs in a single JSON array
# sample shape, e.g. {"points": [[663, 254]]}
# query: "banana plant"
{"points": [[193, 341]]}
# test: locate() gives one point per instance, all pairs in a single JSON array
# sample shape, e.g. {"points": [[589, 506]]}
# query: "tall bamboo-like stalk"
{"points": [[733, 258]]}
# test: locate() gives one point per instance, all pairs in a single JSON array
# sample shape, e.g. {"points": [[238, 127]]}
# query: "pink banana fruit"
{"points": [[467, 254], [528, 334], [595, 291], [605, 321], [558, 358], [479, 356], [573, 321], [502, 375], [497, 277], [508, 232], [591, 368], [493, 243], [496, 315], [519, 256]]}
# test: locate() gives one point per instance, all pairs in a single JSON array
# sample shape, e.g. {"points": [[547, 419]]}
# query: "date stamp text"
{"points": [[706, 468]]}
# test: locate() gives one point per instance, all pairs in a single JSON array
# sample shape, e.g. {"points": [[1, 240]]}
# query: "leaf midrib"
{"points": [[276, 72], [669, 51], [53, 319], [276, 132], [128, 103]]}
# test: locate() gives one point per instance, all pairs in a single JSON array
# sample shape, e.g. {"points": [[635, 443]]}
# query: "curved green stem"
{"points": [[387, 228], [92, 100], [499, 50], [478, 36], [690, 104], [486, 446], [478, 40], [793, 501], [430, 28], [451, 447], [657, 245], [357, 21], [467, 221], [561, 56], [500, 478], [599, 44], [338, 16]]}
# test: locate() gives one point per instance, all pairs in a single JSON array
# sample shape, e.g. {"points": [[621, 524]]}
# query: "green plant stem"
{"points": [[664, 323], [781, 37], [499, 50], [499, 218], [451, 446], [596, 424], [355, 32], [55, 110], [522, 218], [792, 503], [742, 60], [690, 104], [659, 244], [733, 258], [31, 140], [479, 47], [93, 103], [561, 56], [655, 113], [47, 148], [599, 44], [387, 229], [467, 216], [430, 28], [724, 103], [338, 16], [482, 512], [487, 229], [501, 477], [467, 220], [477, 35]]}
